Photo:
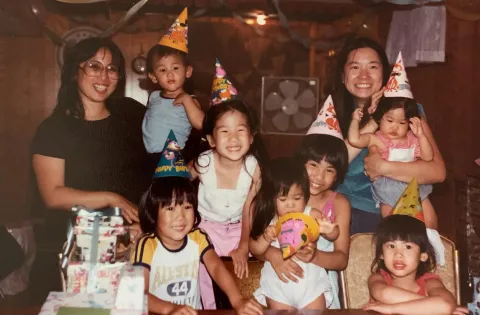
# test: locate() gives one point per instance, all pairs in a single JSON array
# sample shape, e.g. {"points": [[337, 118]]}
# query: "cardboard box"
{"points": [[63, 303], [108, 276]]}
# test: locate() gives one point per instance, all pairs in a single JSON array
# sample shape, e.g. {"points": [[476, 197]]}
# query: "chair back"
{"points": [[247, 286], [354, 279]]}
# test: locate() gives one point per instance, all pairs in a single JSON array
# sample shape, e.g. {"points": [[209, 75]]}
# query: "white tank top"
{"points": [[218, 204]]}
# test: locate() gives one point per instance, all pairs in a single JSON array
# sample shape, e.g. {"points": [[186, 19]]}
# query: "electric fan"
{"points": [[289, 104]]}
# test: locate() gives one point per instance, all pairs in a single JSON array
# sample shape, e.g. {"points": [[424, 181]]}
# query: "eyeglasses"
{"points": [[94, 68]]}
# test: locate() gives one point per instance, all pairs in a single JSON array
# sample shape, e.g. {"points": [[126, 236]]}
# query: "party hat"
{"points": [[177, 34], [397, 85], [222, 88], [171, 160], [409, 202], [294, 231], [326, 122]]}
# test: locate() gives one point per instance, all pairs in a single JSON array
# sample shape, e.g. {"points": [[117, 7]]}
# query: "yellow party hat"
{"points": [[294, 231], [177, 34], [409, 202]]}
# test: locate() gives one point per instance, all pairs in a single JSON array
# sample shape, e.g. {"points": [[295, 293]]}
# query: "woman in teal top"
{"points": [[362, 70]]}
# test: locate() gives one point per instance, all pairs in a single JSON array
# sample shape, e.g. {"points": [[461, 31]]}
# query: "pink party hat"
{"points": [[326, 122], [222, 88], [397, 85]]}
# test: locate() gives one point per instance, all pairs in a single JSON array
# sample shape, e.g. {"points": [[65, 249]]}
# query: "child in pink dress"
{"points": [[400, 138]]}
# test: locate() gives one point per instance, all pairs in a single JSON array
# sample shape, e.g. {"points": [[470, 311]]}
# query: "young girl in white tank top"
{"points": [[229, 176]]}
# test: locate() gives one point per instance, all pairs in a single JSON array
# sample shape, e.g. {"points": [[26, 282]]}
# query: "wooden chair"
{"points": [[247, 286], [362, 251]]}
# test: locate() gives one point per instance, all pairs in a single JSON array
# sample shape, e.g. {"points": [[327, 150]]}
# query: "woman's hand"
{"points": [[240, 262], [307, 253], [248, 307], [460, 310], [375, 99], [135, 232], [129, 210], [374, 163]]}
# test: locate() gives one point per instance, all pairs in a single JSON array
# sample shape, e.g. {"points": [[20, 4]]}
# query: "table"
{"points": [[35, 310]]}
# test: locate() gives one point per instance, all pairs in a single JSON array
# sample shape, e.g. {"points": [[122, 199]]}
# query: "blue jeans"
{"points": [[364, 221]]}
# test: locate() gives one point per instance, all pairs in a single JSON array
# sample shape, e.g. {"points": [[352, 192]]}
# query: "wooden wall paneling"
{"points": [[3, 112], [30, 84], [475, 118]]}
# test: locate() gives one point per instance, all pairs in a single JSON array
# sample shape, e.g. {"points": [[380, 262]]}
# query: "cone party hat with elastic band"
{"points": [[409, 202], [398, 85], [326, 122], [177, 34], [171, 161], [222, 88]]}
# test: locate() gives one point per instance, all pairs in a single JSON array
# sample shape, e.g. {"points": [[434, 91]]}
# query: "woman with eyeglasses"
{"points": [[90, 151]]}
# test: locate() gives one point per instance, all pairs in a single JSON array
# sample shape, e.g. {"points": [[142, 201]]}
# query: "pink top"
{"points": [[328, 209], [420, 281], [409, 143]]}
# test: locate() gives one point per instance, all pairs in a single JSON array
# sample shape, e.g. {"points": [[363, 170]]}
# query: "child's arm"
{"points": [[438, 301], [329, 230], [426, 149], [193, 109], [158, 306], [338, 259], [355, 138], [225, 281], [240, 255], [260, 245], [384, 293], [426, 172]]}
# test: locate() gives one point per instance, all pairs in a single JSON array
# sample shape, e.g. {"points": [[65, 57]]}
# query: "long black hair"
{"points": [[68, 101], [283, 174], [319, 147], [408, 229], [343, 100], [215, 112], [162, 192]]}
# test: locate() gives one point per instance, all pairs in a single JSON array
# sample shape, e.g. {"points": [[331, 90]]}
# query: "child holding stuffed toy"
{"points": [[284, 192]]}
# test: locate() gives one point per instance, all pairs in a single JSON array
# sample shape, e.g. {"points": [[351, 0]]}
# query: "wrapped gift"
{"points": [[107, 277], [102, 231], [106, 248], [59, 303], [294, 231], [131, 288], [85, 218], [88, 262]]}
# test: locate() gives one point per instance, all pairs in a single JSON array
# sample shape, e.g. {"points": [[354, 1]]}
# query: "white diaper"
{"points": [[297, 294]]}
